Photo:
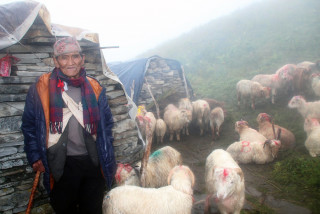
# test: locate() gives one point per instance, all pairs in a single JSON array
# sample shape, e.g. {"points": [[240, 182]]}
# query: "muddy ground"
{"points": [[260, 191]]}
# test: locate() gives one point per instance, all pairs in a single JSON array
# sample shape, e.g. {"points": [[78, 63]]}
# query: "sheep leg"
{"points": [[253, 103], [178, 135], [171, 135], [207, 205], [273, 94], [239, 98]]}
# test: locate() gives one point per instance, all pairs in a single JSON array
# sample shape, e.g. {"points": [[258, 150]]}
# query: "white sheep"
{"points": [[273, 81], [255, 151], [143, 119], [175, 119], [312, 143], [176, 198], [185, 104], [247, 133], [252, 90], [306, 109], [200, 114], [161, 129], [159, 165], [216, 120], [265, 128], [224, 182], [315, 84]]}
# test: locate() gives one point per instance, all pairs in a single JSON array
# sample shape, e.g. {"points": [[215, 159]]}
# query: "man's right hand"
{"points": [[38, 166]]}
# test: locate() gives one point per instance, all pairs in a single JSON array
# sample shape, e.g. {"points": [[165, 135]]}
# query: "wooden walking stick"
{"points": [[34, 187]]}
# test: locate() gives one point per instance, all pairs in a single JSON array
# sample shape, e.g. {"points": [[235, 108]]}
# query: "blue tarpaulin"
{"points": [[134, 71]]}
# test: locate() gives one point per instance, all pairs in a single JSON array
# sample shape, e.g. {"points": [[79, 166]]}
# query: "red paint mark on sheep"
{"points": [[245, 144]]}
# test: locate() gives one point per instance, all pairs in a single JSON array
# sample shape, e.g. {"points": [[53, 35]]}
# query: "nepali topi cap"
{"points": [[66, 45]]}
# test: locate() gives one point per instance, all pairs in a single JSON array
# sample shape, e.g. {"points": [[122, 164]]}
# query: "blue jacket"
{"points": [[35, 128]]}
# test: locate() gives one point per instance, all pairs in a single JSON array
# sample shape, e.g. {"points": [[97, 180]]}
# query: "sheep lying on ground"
{"points": [[306, 109], [224, 182], [248, 134], [185, 104], [265, 128], [160, 130], [201, 112], [175, 119], [175, 198], [159, 165], [312, 143], [255, 151], [252, 90], [216, 119]]}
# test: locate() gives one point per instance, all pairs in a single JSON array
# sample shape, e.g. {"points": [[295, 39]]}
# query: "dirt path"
{"points": [[195, 149]]}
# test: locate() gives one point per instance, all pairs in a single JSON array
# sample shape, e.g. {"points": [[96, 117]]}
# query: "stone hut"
{"points": [[164, 77], [26, 42]]}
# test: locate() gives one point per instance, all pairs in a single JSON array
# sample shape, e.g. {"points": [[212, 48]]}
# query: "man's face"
{"points": [[70, 64]]}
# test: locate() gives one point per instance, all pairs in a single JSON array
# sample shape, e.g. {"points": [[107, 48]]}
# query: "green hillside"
{"points": [[258, 39]]}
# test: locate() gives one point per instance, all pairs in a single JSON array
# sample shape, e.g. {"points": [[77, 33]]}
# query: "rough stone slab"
{"points": [[14, 89], [32, 56], [132, 141], [7, 151], [12, 163], [11, 109], [118, 101], [34, 68], [9, 172], [17, 48], [121, 109], [12, 97], [126, 134], [12, 156], [20, 143], [115, 94], [11, 138], [109, 88], [28, 61], [10, 124], [124, 125], [29, 73], [16, 79], [118, 118], [6, 191]]}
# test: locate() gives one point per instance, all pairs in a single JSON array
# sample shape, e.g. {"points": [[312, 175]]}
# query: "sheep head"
{"points": [[226, 180], [274, 145], [262, 117], [182, 179], [296, 102], [265, 92], [239, 125]]}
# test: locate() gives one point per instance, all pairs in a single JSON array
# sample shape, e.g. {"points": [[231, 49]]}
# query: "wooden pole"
{"points": [[154, 100], [185, 83], [34, 187], [146, 154]]}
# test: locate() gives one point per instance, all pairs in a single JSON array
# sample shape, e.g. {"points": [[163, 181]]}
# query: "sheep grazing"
{"points": [[175, 119], [159, 165], [312, 143], [273, 81], [201, 112], [160, 130], [248, 134], [253, 90], [306, 109], [216, 119], [265, 128], [185, 104], [177, 197], [315, 84], [255, 151], [224, 182]]}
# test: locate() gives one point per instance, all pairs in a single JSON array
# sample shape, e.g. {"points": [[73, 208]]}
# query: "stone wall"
{"points": [[34, 52], [166, 81]]}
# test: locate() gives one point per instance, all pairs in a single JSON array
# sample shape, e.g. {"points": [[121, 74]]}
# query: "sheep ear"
{"points": [[266, 142], [240, 173], [279, 134]]}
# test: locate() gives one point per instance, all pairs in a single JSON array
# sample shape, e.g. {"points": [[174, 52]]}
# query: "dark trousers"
{"points": [[80, 189]]}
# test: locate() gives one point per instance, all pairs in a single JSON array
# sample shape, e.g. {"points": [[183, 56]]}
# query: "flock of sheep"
{"points": [[168, 184]]}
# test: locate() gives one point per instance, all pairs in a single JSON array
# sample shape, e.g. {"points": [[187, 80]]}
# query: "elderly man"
{"points": [[67, 126]]}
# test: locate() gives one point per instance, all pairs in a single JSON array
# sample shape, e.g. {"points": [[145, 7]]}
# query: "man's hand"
{"points": [[38, 166]]}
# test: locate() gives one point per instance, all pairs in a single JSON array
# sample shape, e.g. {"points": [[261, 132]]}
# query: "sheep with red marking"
{"points": [[265, 128], [255, 151], [224, 182], [175, 119], [201, 112], [160, 130], [247, 133], [143, 119], [159, 165], [312, 143], [216, 120], [185, 104], [306, 109], [315, 84], [248, 89], [177, 197], [272, 81]]}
